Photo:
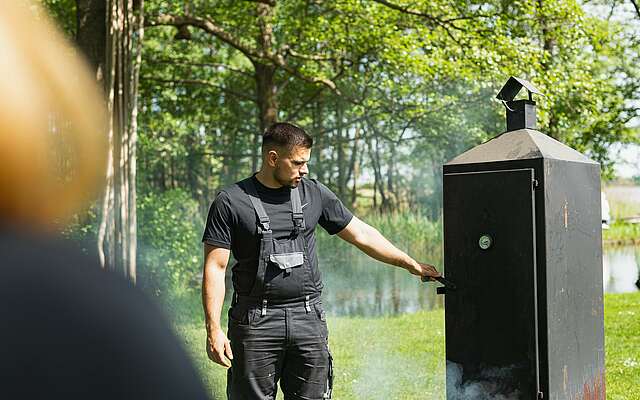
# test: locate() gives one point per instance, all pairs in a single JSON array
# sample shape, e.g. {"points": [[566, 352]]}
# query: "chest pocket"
{"points": [[286, 261], [287, 253]]}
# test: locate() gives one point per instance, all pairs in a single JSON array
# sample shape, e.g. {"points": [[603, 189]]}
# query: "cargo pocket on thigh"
{"points": [[329, 391], [321, 320]]}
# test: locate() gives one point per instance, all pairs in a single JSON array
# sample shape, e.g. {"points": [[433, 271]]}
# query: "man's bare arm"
{"points": [[213, 289], [370, 241]]}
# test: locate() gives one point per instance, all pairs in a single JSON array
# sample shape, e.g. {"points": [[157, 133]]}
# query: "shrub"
{"points": [[170, 254]]}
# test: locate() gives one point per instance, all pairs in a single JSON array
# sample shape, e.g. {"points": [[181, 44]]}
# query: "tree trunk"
{"points": [[236, 162], [384, 200], [117, 235], [549, 47], [266, 88], [91, 34], [193, 163], [354, 167], [267, 106], [391, 176], [378, 185], [341, 133], [437, 188], [318, 124], [193, 158]]}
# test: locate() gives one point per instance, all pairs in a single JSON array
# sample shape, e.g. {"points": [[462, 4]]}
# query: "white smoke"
{"points": [[489, 385]]}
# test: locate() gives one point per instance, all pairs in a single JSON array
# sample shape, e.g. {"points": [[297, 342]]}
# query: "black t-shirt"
{"points": [[232, 222]]}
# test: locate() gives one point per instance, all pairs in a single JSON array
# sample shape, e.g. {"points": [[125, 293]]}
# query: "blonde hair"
{"points": [[52, 121]]}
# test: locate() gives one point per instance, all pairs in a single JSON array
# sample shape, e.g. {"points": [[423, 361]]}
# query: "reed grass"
{"points": [[621, 233]]}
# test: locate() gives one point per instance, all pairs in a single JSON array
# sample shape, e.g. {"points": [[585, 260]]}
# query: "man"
{"points": [[277, 329]]}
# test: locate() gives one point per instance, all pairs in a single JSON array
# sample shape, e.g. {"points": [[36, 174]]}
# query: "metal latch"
{"points": [[264, 308], [448, 285]]}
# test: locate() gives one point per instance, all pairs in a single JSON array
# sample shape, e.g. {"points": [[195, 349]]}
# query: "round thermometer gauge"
{"points": [[485, 242]]}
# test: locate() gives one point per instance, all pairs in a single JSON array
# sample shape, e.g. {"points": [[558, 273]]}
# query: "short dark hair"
{"points": [[284, 135]]}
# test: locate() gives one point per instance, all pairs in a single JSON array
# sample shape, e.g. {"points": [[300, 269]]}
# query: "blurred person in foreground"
{"points": [[69, 330]]}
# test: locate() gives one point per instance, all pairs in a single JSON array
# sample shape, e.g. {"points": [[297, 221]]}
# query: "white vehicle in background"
{"points": [[606, 211]]}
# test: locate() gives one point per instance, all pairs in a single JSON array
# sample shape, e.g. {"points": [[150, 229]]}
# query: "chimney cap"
{"points": [[513, 86]]}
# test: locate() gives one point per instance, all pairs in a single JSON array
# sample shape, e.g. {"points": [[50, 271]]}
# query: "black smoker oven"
{"points": [[523, 246]]}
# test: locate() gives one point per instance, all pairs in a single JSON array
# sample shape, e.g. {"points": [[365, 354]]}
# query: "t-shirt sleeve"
{"points": [[335, 216], [217, 230]]}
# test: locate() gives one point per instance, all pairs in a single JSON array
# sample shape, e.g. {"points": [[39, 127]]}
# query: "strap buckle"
{"points": [[307, 306], [264, 225]]}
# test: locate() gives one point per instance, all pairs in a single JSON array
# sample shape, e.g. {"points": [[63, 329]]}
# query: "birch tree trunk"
{"points": [[117, 237]]}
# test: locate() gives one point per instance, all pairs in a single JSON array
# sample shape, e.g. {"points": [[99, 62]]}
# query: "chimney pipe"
{"points": [[521, 114]]}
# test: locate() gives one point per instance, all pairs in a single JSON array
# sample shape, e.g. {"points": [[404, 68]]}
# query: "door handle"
{"points": [[448, 285]]}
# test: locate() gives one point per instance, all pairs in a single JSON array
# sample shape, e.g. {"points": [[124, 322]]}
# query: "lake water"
{"points": [[621, 269], [362, 286]]}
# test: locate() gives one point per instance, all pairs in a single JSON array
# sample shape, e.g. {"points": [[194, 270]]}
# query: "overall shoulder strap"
{"points": [[263, 218], [298, 215]]}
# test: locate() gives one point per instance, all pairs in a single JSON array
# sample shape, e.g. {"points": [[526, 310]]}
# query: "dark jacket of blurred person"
{"points": [[67, 329]]}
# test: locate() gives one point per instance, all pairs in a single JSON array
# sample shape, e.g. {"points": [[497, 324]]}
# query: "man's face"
{"points": [[292, 167]]}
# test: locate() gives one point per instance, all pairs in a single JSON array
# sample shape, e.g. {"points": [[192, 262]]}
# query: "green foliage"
{"points": [[412, 231], [621, 233], [415, 79], [169, 247], [63, 13], [83, 228], [169, 241]]}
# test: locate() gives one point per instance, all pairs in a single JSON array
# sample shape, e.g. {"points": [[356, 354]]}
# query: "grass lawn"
{"points": [[403, 357], [622, 343]]}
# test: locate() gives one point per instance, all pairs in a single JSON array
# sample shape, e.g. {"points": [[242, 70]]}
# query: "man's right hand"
{"points": [[219, 348]]}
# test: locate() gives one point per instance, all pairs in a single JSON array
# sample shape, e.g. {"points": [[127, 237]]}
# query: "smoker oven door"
{"points": [[489, 253]]}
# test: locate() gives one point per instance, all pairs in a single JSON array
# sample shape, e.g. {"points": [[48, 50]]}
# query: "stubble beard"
{"points": [[290, 183]]}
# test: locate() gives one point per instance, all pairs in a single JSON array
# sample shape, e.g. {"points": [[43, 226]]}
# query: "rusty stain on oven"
{"points": [[594, 390]]}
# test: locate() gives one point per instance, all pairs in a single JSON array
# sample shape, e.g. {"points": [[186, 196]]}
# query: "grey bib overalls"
{"points": [[278, 332]]}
